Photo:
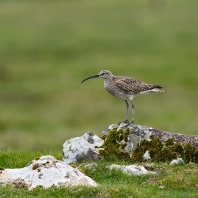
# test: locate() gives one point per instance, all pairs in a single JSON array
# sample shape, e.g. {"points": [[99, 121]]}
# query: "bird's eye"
{"points": [[103, 74]]}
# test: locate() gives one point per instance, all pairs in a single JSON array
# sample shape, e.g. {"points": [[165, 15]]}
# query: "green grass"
{"points": [[48, 47], [170, 181]]}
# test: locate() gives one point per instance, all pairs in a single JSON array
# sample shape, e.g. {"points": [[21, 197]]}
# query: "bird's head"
{"points": [[105, 74]]}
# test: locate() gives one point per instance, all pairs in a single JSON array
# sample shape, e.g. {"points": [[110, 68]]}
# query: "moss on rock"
{"points": [[154, 145], [178, 148], [165, 151], [166, 155], [114, 144], [2, 168], [189, 153], [169, 142], [196, 156]]}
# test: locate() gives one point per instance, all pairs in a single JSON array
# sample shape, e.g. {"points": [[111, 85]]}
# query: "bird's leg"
{"points": [[127, 107], [133, 111]]}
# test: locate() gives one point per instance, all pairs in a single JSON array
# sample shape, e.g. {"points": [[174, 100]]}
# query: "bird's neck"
{"points": [[107, 82]]}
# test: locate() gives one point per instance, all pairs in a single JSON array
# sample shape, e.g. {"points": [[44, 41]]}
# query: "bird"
{"points": [[125, 88]]}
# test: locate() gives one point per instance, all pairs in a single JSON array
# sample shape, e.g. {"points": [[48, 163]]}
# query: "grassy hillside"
{"points": [[48, 47], [170, 181]]}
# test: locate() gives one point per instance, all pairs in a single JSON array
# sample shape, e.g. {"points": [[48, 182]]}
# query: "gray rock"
{"points": [[82, 148], [88, 146], [137, 133]]}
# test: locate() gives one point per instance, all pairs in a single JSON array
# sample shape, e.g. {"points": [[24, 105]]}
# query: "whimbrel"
{"points": [[125, 88]]}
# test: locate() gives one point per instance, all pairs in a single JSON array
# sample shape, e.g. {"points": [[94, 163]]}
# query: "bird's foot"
{"points": [[124, 121]]}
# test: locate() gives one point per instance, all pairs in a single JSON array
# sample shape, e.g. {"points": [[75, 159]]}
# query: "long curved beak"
{"points": [[94, 76]]}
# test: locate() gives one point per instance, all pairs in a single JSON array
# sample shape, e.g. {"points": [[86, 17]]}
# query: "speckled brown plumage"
{"points": [[134, 87], [125, 88]]}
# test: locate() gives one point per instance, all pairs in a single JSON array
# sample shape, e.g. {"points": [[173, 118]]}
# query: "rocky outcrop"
{"points": [[140, 143], [82, 148], [137, 133], [45, 171], [129, 141]]}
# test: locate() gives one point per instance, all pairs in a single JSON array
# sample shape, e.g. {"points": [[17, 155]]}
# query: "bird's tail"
{"points": [[157, 88]]}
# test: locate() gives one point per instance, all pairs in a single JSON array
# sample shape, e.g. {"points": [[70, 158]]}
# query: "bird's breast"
{"points": [[113, 90]]}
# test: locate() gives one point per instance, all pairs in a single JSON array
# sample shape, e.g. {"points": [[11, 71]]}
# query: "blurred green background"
{"points": [[48, 47]]}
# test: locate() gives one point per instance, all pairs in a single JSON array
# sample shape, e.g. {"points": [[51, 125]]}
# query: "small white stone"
{"points": [[177, 161], [91, 166], [146, 155], [131, 169], [161, 187], [112, 126]]}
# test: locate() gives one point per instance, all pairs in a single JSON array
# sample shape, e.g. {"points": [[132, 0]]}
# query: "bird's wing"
{"points": [[131, 85]]}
